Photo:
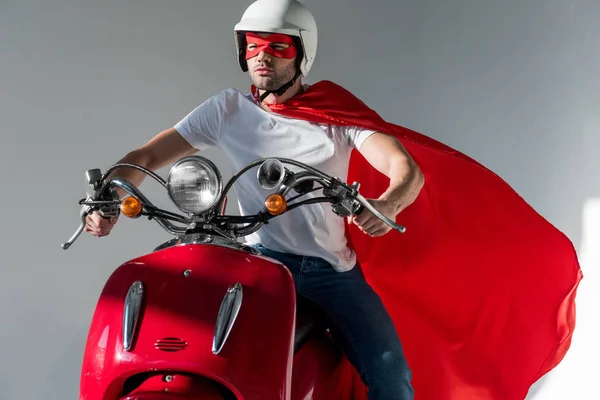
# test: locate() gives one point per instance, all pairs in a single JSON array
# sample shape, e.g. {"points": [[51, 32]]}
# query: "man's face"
{"points": [[271, 59]]}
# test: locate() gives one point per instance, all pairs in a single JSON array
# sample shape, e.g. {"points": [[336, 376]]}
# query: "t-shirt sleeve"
{"points": [[201, 127], [356, 135]]}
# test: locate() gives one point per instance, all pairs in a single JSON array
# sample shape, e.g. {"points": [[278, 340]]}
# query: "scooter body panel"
{"points": [[176, 325]]}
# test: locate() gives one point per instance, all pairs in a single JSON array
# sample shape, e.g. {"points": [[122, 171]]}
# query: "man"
{"points": [[480, 289], [311, 241]]}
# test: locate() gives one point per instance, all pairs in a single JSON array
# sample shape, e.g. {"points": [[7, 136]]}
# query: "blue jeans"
{"points": [[361, 324]]}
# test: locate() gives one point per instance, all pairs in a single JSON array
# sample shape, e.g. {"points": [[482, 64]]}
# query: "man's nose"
{"points": [[262, 56]]}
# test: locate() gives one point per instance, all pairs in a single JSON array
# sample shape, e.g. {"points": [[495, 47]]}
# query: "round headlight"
{"points": [[194, 184]]}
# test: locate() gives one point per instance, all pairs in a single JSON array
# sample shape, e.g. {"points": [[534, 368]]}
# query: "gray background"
{"points": [[512, 83]]}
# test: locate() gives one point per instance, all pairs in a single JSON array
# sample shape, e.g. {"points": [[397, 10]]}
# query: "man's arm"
{"points": [[387, 154], [163, 149]]}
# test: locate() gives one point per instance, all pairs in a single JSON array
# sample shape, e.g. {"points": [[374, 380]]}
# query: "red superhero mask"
{"points": [[257, 43]]}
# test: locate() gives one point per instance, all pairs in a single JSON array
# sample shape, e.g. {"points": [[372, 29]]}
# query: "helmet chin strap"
{"points": [[282, 89]]}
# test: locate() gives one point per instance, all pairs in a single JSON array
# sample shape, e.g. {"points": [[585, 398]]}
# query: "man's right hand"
{"points": [[99, 226]]}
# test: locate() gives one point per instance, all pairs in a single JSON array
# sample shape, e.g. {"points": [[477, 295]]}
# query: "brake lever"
{"points": [[85, 211], [364, 203]]}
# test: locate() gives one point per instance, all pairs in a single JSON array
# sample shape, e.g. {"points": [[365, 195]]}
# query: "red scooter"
{"points": [[205, 316]]}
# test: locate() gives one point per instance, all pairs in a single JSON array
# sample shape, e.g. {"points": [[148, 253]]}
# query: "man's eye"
{"points": [[251, 46], [280, 46]]}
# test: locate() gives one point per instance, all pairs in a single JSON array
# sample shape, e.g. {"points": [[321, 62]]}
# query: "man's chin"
{"points": [[265, 84]]}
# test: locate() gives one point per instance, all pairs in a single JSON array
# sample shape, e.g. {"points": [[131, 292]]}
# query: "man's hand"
{"points": [[370, 224], [99, 226]]}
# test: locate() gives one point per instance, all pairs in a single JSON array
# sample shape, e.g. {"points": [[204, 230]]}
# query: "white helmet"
{"points": [[288, 17]]}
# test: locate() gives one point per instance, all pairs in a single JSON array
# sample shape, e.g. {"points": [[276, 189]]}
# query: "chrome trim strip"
{"points": [[228, 312], [131, 313], [201, 238]]}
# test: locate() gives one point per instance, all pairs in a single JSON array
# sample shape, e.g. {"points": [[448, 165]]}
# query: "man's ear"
{"points": [[299, 51], [242, 51]]}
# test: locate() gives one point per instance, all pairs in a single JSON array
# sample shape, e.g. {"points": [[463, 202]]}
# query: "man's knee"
{"points": [[388, 376], [390, 361]]}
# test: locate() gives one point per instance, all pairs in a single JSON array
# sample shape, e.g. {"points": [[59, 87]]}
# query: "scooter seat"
{"points": [[310, 318]]}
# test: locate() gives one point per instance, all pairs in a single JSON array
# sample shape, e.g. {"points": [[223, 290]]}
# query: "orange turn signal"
{"points": [[276, 204], [131, 207]]}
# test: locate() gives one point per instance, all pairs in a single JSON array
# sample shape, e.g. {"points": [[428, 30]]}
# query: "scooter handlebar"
{"points": [[341, 195]]}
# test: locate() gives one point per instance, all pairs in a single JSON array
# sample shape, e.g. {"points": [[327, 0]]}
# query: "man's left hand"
{"points": [[369, 223]]}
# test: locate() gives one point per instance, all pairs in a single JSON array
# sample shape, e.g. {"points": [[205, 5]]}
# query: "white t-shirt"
{"points": [[233, 122]]}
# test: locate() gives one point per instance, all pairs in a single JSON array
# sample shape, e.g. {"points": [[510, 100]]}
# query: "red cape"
{"points": [[481, 287]]}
